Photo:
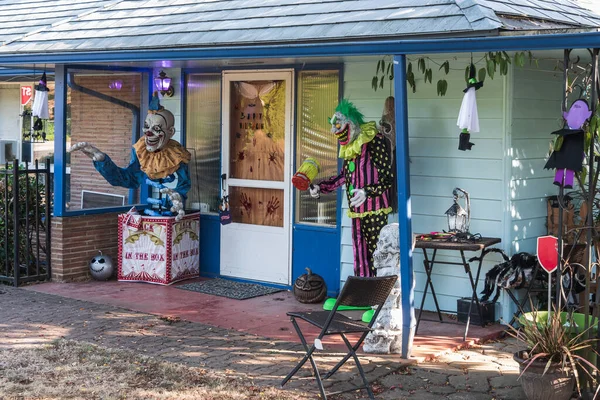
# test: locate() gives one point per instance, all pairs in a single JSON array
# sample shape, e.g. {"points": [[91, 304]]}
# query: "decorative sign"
{"points": [[26, 94], [547, 252], [160, 250]]}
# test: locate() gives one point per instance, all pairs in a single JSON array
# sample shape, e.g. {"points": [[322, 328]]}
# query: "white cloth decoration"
{"points": [[40, 105], [467, 117], [251, 92]]}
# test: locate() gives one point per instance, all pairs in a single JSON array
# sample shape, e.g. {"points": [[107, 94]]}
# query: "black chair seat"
{"points": [[339, 324]]}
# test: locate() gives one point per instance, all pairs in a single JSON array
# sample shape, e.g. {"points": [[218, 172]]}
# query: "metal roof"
{"points": [[34, 26]]}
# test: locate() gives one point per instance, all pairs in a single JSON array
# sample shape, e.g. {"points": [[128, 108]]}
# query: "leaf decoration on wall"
{"points": [[421, 65], [493, 62], [481, 75], [442, 87], [446, 66]]}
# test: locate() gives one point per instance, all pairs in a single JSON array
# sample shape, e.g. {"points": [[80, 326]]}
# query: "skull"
{"points": [[101, 267], [158, 129]]}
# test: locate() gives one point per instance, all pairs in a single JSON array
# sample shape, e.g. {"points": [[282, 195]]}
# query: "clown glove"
{"points": [[358, 197], [89, 150], [315, 191], [176, 202]]}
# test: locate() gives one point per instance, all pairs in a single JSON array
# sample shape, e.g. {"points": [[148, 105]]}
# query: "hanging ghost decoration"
{"points": [[468, 119], [40, 100]]}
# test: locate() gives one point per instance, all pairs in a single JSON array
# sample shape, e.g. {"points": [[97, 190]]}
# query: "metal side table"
{"points": [[429, 263]]}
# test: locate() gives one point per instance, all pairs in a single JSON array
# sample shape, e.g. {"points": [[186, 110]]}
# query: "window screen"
{"points": [[318, 96], [203, 134]]}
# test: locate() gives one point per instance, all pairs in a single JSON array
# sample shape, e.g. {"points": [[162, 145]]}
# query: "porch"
{"points": [[262, 316]]}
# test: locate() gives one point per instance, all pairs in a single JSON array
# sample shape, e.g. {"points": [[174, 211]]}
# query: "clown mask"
{"points": [[158, 129], [344, 128]]}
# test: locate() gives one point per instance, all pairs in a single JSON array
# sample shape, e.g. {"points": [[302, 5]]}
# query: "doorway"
{"points": [[257, 126]]}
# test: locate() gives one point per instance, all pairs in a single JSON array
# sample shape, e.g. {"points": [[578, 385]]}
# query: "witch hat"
{"points": [[42, 84], [472, 82]]}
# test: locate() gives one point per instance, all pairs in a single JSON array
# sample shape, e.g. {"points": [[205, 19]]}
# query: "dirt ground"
{"points": [[69, 369]]}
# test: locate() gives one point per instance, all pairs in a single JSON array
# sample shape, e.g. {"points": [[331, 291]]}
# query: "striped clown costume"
{"points": [[367, 176]]}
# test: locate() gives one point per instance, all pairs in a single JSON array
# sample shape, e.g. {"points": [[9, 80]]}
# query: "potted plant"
{"points": [[553, 362]]}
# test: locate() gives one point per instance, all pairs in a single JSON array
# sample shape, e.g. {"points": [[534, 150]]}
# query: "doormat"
{"points": [[231, 289]]}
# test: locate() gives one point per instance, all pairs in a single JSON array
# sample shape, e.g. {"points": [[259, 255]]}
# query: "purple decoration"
{"points": [[577, 114]]}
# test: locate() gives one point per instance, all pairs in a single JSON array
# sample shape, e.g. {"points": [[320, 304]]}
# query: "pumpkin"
{"points": [[310, 288]]}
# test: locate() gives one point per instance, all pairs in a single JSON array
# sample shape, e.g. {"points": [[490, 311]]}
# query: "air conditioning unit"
{"points": [[8, 151], [91, 199]]}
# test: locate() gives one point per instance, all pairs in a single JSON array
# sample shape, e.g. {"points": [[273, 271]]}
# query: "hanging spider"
{"points": [[273, 157], [241, 155]]}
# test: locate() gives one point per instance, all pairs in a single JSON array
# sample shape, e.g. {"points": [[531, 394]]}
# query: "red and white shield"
{"points": [[547, 252], [26, 93]]}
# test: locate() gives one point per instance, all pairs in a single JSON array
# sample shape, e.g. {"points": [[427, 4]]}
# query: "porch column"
{"points": [[404, 206], [60, 128]]}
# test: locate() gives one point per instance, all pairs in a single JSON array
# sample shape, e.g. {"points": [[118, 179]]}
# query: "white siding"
{"points": [[536, 112], [437, 166]]}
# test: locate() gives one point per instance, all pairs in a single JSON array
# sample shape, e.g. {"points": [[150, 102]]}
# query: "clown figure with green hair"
{"points": [[367, 175]]}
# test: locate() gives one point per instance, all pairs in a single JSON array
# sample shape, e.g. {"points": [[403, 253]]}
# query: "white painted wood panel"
{"points": [[536, 112]]}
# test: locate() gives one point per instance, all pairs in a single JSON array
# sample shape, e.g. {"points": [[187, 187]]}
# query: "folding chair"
{"points": [[357, 291]]}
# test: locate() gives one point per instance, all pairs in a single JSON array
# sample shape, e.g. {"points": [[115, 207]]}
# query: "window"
{"points": [[203, 135], [318, 96], [106, 125]]}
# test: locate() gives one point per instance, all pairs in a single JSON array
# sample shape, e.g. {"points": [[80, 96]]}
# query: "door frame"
{"points": [[288, 75]]}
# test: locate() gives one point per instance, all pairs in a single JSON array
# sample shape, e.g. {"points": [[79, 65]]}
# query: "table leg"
{"points": [[474, 297], [428, 266]]}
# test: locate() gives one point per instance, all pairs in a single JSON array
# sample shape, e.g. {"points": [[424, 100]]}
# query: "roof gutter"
{"points": [[326, 49]]}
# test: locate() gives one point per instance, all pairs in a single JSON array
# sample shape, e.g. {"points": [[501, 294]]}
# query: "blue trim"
{"points": [[210, 245], [311, 239], [316, 228], [297, 67], [323, 49], [183, 105], [60, 136], [24, 71], [95, 67], [340, 164], [145, 190], [404, 206], [107, 210]]}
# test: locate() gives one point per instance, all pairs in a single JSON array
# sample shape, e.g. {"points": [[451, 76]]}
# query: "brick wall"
{"points": [[107, 126], [75, 240]]}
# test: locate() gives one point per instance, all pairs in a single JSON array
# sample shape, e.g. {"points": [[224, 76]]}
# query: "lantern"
{"points": [[459, 219], [115, 85], [163, 84], [310, 288]]}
